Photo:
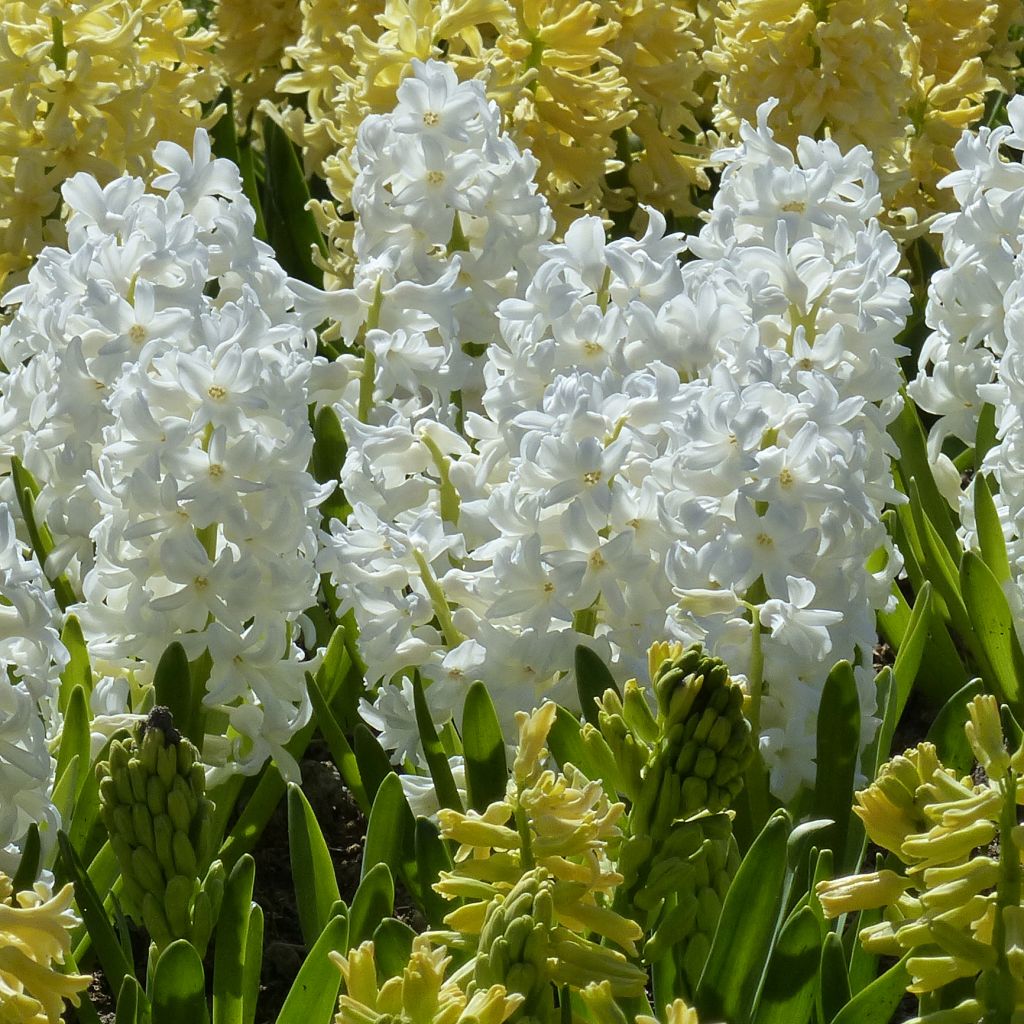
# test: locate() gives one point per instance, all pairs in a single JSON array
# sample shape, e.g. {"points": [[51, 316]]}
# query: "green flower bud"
{"points": [[154, 805]]}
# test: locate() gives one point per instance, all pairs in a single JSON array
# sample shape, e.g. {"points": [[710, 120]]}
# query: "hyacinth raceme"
{"points": [[32, 657], [974, 353], [35, 936], [153, 803], [957, 905], [702, 442], [157, 394], [903, 77], [90, 87], [590, 88]]}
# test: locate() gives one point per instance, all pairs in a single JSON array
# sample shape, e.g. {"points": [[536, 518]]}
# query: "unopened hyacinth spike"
{"points": [[153, 802]]}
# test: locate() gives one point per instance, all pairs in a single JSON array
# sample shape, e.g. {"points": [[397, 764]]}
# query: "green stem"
{"points": [[444, 614], [369, 377], [58, 51], [448, 494]]}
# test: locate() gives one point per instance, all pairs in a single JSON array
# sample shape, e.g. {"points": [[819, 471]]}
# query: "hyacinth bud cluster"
{"points": [[699, 446], [154, 805], [955, 901], [156, 391], [680, 855]]}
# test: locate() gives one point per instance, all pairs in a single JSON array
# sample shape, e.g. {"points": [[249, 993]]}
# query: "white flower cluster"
{"points": [[31, 658], [157, 391], [981, 245], [978, 343], [651, 432]]}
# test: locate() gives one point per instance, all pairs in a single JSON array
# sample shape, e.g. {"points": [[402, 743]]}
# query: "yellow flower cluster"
{"points": [[34, 934], [599, 1000], [957, 911], [89, 87], [544, 846], [903, 77], [251, 39], [422, 994], [602, 92]]}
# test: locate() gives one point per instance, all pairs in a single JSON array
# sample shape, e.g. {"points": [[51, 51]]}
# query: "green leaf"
{"points": [[232, 940], [746, 929], [31, 860], [390, 831], [226, 144], [790, 984], [313, 995], [374, 763], [341, 752], [908, 658], [179, 986], [834, 990], [329, 448], [838, 744], [131, 1003], [316, 886], [392, 945], [108, 949], [986, 436], [947, 731], [77, 672], [915, 466], [876, 1003], [291, 229], [252, 962], [990, 530], [374, 900], [994, 629], [565, 742], [436, 758], [593, 677], [173, 685], [942, 568], [75, 738], [484, 747], [432, 857]]}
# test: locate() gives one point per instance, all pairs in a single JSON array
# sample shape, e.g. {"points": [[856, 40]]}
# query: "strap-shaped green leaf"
{"points": [[329, 448], [314, 993], [437, 759], [173, 685], [994, 630], [374, 900], [116, 965], [990, 530], [226, 144], [75, 739], [915, 466], [747, 928], [834, 989], [390, 832], [179, 986], [986, 436], [947, 730], [291, 229], [374, 763], [593, 677], [908, 658], [432, 857], [231, 943], [342, 754], [392, 944], [838, 746], [31, 860], [130, 1003], [876, 1003], [316, 886], [791, 982], [77, 672], [565, 742], [252, 962], [484, 748]]}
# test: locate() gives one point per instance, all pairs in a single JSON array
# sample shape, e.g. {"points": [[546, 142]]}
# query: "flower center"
{"points": [[435, 177], [431, 118], [216, 392], [137, 333]]}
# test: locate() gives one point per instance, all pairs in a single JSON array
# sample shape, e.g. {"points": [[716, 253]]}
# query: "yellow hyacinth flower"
{"points": [[90, 87], [252, 36], [34, 936]]}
